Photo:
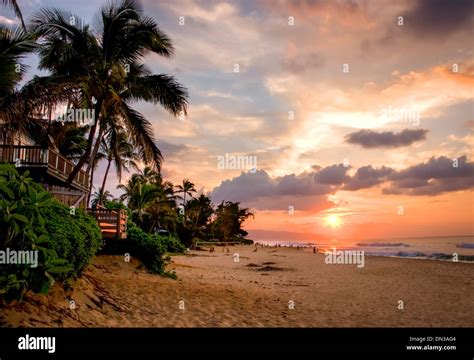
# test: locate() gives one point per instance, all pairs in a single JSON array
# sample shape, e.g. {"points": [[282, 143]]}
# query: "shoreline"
{"points": [[466, 257], [267, 288]]}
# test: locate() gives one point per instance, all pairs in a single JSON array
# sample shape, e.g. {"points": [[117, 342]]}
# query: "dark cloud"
{"points": [[367, 176], [245, 187], [171, 150], [310, 189], [387, 139], [332, 175], [439, 17], [441, 167], [248, 187], [434, 177]]}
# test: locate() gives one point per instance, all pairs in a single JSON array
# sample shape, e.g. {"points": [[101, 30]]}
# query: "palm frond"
{"points": [[15, 44], [141, 132], [162, 89], [16, 9]]}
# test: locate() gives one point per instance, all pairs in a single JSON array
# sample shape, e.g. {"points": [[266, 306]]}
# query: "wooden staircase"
{"points": [[112, 222]]}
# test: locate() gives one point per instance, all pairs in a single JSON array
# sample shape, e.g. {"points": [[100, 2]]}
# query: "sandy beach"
{"points": [[270, 287]]}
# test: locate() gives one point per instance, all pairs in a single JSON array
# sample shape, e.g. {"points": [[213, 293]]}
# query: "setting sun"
{"points": [[333, 220]]}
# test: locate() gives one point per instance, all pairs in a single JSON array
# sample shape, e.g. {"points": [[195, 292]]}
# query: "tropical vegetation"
{"points": [[30, 220], [99, 69]]}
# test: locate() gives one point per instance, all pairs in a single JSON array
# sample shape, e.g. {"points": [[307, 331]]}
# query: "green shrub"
{"points": [[171, 243], [30, 220], [148, 248], [115, 204], [75, 236], [21, 203]]}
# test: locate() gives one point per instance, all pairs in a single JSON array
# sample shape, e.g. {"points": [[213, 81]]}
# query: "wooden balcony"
{"points": [[112, 223], [55, 164]]}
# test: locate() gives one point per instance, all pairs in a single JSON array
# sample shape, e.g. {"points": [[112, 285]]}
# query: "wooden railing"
{"points": [[37, 156], [112, 223], [23, 155]]}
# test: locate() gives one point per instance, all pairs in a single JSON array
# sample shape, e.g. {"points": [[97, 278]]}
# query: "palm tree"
{"points": [[129, 189], [200, 209], [108, 71], [187, 188], [148, 176], [101, 197], [14, 5], [168, 191], [118, 149], [98, 158], [142, 198]]}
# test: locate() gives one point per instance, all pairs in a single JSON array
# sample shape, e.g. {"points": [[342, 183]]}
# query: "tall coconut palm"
{"points": [[186, 188], [108, 71], [13, 4], [98, 158]]}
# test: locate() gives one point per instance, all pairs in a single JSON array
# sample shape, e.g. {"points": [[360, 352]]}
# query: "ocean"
{"points": [[435, 248]]}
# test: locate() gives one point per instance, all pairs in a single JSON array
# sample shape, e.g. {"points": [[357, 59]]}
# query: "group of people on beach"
{"points": [[315, 248]]}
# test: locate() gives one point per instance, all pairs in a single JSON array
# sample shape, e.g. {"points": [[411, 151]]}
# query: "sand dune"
{"points": [[267, 288]]}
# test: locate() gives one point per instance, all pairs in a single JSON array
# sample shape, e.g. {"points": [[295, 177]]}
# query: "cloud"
{"points": [[388, 139], [248, 187], [332, 175], [367, 176], [7, 21], [439, 17], [311, 189], [171, 150], [434, 177]]}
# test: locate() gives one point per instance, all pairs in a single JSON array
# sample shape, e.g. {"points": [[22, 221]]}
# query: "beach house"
{"points": [[48, 167]]}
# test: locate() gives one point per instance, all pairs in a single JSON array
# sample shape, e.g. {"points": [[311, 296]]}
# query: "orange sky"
{"points": [[308, 101]]}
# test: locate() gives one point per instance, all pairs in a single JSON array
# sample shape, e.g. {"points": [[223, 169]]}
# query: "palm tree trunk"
{"points": [[106, 173], [196, 223], [87, 152], [91, 186], [96, 148]]}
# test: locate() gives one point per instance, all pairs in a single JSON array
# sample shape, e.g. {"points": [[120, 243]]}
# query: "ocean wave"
{"points": [[382, 244], [421, 255], [465, 245]]}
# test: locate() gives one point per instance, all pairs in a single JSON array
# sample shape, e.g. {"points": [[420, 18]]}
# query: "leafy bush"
{"points": [[115, 204], [30, 220], [21, 202], [171, 243], [149, 249], [75, 237]]}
